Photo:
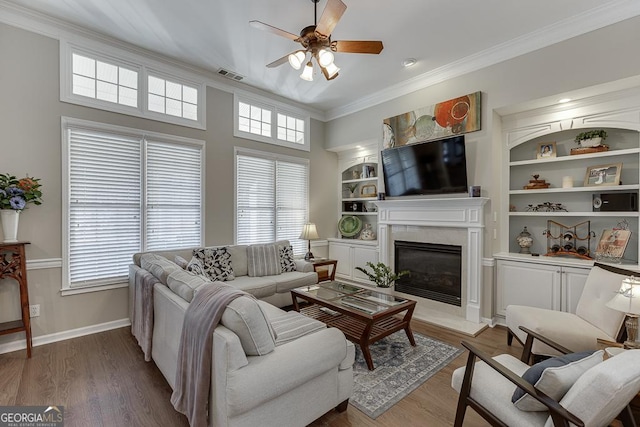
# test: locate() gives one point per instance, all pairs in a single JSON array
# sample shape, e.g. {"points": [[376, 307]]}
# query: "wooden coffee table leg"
{"points": [[407, 329], [364, 345]]}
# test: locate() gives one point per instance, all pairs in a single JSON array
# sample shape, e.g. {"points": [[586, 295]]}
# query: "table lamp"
{"points": [[627, 300], [309, 233]]}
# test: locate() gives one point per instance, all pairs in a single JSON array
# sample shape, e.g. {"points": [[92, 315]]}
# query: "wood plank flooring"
{"points": [[103, 380]]}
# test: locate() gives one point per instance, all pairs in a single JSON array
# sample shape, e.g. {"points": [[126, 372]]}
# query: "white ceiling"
{"points": [[446, 37]]}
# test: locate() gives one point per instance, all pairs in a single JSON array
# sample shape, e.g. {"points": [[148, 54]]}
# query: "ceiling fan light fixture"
{"points": [[325, 57], [331, 71], [296, 59], [307, 73]]}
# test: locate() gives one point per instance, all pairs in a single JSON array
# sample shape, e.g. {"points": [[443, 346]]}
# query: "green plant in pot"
{"points": [[352, 188], [381, 274], [591, 138]]}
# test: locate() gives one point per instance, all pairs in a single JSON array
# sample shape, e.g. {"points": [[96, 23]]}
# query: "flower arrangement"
{"points": [[381, 274], [16, 193]]}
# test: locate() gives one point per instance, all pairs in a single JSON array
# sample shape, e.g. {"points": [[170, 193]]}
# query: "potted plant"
{"points": [[591, 138], [15, 195], [352, 189], [381, 274]]}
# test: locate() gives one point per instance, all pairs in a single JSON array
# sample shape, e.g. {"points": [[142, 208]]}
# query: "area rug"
{"points": [[399, 369]]}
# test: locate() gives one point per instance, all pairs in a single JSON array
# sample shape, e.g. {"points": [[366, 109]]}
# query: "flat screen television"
{"points": [[432, 167]]}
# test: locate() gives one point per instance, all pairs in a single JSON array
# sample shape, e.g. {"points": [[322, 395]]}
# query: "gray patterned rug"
{"points": [[399, 369]]}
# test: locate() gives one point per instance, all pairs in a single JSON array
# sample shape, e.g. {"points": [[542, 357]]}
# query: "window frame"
{"points": [[275, 110], [144, 68], [272, 157], [68, 123]]}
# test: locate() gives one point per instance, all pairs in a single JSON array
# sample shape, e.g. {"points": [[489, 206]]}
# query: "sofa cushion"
{"points": [[259, 287], [184, 283], [158, 265], [286, 258], [554, 377], [263, 260], [245, 318], [182, 263], [238, 259], [216, 263], [293, 325], [294, 279]]}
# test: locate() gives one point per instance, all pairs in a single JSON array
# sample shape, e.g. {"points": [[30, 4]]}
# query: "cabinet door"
{"points": [[360, 258], [573, 280], [533, 285], [342, 253]]}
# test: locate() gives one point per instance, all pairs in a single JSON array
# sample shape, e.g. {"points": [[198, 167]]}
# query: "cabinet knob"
{"points": [[558, 271]]}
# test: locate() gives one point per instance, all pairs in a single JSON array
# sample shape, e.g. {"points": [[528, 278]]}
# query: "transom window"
{"points": [[104, 81], [173, 98], [262, 121]]}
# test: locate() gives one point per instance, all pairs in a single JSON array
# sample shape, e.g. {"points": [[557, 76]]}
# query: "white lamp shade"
{"points": [[307, 73], [296, 59], [309, 232], [331, 71], [627, 299], [325, 57]]}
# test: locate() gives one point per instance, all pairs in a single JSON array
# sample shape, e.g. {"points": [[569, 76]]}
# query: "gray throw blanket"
{"points": [[193, 376], [142, 310]]}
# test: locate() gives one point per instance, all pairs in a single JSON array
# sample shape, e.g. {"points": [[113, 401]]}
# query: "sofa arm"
{"points": [[303, 266], [287, 367]]}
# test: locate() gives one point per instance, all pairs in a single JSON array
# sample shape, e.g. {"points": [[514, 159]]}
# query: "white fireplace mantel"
{"points": [[461, 212]]}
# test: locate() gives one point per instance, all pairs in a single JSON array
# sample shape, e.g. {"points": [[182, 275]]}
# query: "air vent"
{"points": [[230, 74]]}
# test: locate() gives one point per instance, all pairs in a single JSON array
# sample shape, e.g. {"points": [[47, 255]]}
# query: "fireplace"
{"points": [[435, 271]]}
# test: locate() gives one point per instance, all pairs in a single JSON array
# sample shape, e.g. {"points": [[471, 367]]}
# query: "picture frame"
{"points": [[612, 244], [369, 190], [603, 175], [546, 150]]}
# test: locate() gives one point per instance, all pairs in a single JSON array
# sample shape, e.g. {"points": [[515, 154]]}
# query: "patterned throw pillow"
{"points": [[286, 259], [195, 266], [181, 262], [215, 262], [263, 260]]}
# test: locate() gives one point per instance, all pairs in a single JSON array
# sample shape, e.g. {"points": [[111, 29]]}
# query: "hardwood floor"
{"points": [[103, 380]]}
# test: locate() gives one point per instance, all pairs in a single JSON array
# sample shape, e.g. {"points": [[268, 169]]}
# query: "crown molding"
{"points": [[594, 19]]}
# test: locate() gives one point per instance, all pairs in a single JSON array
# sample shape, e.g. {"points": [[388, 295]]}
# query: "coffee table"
{"points": [[363, 315]]}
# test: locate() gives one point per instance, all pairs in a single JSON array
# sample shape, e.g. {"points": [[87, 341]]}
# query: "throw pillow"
{"points": [[293, 325], [286, 259], [263, 260], [554, 377], [245, 318], [182, 263], [195, 266], [216, 263]]}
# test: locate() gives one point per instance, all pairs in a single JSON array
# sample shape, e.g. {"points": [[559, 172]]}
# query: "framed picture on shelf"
{"points": [[546, 150], [603, 175], [612, 244]]}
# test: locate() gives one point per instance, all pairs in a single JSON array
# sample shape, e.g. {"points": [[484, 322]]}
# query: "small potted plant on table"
{"points": [[592, 138], [381, 274]]}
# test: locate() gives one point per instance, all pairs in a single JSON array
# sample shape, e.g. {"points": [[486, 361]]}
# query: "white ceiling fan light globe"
{"points": [[325, 57], [296, 59], [307, 73], [332, 70]]}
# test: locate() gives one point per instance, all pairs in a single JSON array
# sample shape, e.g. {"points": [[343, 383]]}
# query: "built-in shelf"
{"points": [[349, 181], [577, 214], [577, 157], [600, 189], [360, 213]]}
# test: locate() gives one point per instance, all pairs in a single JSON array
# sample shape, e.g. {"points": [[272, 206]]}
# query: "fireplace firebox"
{"points": [[435, 271]]}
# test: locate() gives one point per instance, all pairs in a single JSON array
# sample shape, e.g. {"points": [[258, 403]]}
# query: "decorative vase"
{"points": [[10, 225], [525, 241], [593, 142], [367, 233]]}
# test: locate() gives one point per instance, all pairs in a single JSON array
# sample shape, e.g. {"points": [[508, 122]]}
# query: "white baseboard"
{"points": [[65, 335]]}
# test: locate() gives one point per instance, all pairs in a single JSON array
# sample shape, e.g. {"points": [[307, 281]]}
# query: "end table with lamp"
{"points": [[627, 300]]}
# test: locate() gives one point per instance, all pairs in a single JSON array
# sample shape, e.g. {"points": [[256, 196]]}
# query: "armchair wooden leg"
{"points": [[509, 337], [342, 406], [626, 417], [465, 389]]}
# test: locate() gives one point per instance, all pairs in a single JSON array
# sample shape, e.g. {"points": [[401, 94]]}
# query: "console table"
{"points": [[13, 265]]}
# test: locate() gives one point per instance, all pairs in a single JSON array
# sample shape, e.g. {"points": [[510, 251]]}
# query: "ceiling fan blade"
{"points": [[277, 31], [353, 46], [279, 62], [330, 16]]}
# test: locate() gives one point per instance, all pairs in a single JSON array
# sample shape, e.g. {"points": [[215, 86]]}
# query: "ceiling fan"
{"points": [[316, 42]]}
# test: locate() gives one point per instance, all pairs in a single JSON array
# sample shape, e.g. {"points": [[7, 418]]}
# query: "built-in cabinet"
{"points": [[351, 255], [359, 189], [554, 287], [543, 279]]}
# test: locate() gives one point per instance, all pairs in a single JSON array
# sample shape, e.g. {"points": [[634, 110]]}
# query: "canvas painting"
{"points": [[453, 117]]}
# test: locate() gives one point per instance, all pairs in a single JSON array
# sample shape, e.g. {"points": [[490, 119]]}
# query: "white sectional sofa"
{"points": [[269, 367]]}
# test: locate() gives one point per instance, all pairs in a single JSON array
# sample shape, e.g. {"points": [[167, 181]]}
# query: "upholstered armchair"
{"points": [[579, 331], [584, 390]]}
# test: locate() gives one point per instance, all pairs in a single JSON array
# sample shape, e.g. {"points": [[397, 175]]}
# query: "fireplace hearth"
{"points": [[435, 271]]}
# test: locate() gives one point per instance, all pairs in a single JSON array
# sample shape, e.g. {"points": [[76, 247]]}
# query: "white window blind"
{"points": [[271, 199], [174, 174], [127, 193], [104, 206]]}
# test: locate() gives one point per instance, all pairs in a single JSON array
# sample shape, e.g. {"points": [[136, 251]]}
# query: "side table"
{"points": [[13, 265], [325, 273]]}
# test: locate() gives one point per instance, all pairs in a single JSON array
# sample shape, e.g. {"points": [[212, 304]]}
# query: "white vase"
{"points": [[10, 225]]}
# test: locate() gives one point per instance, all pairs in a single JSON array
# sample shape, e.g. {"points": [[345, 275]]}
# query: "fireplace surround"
{"points": [[449, 221]]}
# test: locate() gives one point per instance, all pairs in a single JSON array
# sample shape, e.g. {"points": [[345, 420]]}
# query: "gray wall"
{"points": [[30, 111], [602, 56]]}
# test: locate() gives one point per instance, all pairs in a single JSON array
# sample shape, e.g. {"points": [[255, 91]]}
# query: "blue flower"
{"points": [[14, 191], [17, 203]]}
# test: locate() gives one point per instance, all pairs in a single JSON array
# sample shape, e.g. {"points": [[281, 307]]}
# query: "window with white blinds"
{"points": [[127, 191], [272, 200]]}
